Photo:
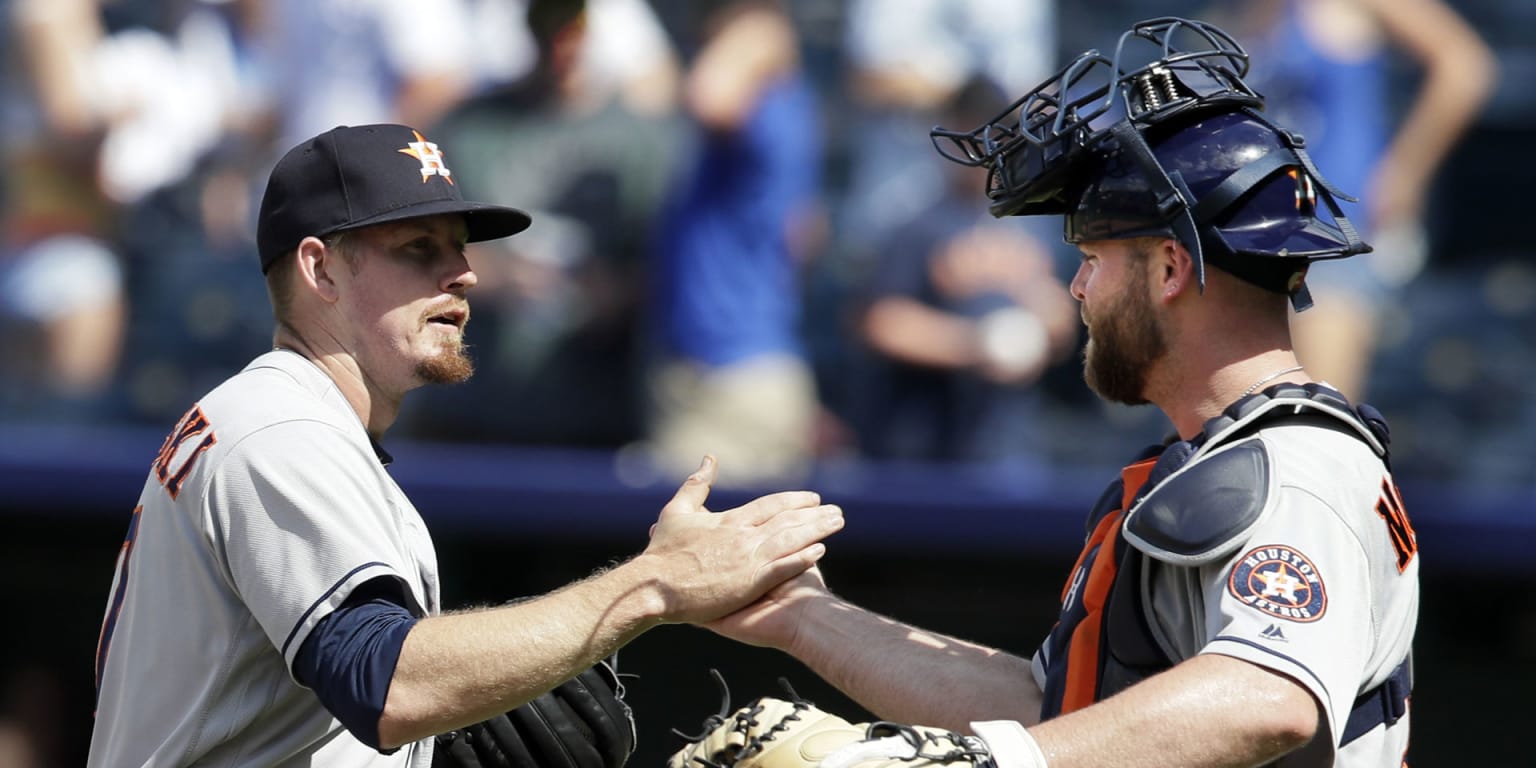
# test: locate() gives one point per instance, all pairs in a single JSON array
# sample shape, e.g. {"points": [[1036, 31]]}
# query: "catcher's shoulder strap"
{"points": [[1206, 495], [1283, 402]]}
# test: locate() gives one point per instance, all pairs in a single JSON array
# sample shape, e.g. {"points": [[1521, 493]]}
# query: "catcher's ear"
{"points": [[1174, 268]]}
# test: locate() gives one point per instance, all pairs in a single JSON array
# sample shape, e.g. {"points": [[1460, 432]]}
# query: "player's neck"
{"points": [[1204, 392], [376, 410]]}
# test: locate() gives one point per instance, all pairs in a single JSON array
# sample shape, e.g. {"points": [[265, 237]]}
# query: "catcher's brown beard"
{"points": [[1124, 342]]}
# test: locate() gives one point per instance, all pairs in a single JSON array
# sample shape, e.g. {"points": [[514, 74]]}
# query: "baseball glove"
{"points": [[774, 733], [582, 723]]}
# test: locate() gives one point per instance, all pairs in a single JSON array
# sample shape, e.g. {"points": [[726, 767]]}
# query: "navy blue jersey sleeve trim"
{"points": [[349, 659], [321, 600], [1272, 652]]}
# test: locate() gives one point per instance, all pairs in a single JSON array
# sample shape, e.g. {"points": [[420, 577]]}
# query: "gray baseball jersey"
{"points": [[1318, 592], [266, 506], [1320, 583]]}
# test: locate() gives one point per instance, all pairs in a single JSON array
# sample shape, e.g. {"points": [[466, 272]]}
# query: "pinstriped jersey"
{"points": [[1321, 587], [265, 508]]}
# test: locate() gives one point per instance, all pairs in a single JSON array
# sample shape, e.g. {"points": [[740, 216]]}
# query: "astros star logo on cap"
{"points": [[430, 156]]}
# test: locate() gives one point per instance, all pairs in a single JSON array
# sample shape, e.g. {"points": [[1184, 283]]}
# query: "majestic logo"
{"points": [[1273, 632], [430, 156], [1280, 582]]}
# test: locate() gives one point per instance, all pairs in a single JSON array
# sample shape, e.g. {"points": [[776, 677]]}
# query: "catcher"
{"points": [[1247, 593]]}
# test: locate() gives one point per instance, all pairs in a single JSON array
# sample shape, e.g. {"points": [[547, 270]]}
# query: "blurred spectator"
{"points": [[967, 314], [1097, 23], [355, 62], [624, 53], [732, 378], [90, 79], [105, 151], [904, 64], [1324, 67], [184, 230], [61, 284], [555, 326], [195, 308], [61, 289], [964, 314]]}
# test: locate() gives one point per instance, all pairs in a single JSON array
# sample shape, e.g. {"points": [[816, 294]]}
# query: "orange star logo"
{"points": [[430, 156]]}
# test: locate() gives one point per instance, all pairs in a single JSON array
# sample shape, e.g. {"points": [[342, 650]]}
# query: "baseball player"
{"points": [[276, 600], [1247, 593]]}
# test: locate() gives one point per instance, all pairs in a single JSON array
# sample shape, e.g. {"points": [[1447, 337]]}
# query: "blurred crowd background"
{"points": [[743, 238], [743, 241]]}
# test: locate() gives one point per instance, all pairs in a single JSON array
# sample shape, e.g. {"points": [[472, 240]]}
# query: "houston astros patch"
{"points": [[1281, 582]]}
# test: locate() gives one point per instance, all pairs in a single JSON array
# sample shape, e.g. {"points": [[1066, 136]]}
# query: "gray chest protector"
{"points": [[1199, 504]]}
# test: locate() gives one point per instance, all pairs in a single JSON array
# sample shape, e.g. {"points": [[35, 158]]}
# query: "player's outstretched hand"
{"points": [[710, 564]]}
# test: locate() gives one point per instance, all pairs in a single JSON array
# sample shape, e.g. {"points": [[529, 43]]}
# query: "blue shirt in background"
{"points": [[727, 287]]}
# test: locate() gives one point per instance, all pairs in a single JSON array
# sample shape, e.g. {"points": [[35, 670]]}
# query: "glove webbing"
{"points": [[747, 721], [959, 747]]}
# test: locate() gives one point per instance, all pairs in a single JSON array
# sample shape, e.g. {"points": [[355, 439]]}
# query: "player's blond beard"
{"points": [[1126, 339]]}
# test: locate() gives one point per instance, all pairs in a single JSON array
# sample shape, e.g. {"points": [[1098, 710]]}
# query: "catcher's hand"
{"points": [[582, 723], [773, 733]]}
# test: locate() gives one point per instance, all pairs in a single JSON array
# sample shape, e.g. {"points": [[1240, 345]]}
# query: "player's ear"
{"points": [[317, 264], [1173, 268]]}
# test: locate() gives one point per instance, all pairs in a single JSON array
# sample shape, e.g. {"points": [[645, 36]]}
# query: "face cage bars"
{"points": [[1058, 126]]}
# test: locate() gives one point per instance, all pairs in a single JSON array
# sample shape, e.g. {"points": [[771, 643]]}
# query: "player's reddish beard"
{"points": [[1125, 338], [452, 364]]}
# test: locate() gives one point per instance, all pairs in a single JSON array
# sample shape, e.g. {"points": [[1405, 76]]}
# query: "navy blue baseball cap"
{"points": [[358, 176]]}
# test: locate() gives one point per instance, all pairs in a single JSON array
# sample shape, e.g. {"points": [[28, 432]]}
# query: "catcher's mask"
{"points": [[1164, 139]]}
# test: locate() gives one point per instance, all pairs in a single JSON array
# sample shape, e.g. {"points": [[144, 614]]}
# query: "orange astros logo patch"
{"points": [[1280, 582]]}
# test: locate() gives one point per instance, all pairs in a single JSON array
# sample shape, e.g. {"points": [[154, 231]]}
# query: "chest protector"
{"points": [[1190, 504]]}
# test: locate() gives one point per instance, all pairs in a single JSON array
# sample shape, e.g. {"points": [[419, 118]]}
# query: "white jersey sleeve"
{"points": [[1296, 599], [300, 516], [264, 509], [1321, 592]]}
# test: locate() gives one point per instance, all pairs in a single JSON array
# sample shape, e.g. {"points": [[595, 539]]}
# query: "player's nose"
{"points": [[461, 277], [1076, 287]]}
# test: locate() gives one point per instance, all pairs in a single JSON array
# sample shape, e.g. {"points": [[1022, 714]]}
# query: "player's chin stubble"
{"points": [[1126, 341], [451, 366]]}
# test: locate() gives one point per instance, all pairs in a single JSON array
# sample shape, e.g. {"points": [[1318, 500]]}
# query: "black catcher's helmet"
{"points": [[1164, 138]]}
